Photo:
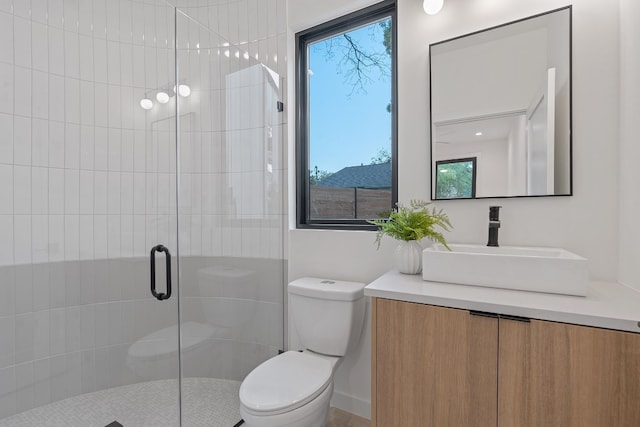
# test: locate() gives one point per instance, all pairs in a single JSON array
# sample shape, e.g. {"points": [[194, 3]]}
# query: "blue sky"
{"points": [[347, 129]]}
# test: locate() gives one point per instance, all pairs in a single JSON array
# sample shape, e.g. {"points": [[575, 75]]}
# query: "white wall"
{"points": [[585, 223], [557, 58], [629, 245], [517, 173], [303, 14], [497, 76]]}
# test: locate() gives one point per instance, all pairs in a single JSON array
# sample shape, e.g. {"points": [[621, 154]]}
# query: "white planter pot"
{"points": [[408, 257]]}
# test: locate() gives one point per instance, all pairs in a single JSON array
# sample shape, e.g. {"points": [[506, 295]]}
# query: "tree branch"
{"points": [[357, 65]]}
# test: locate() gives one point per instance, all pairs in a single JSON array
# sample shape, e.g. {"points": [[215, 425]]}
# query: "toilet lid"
{"points": [[285, 382], [164, 342]]}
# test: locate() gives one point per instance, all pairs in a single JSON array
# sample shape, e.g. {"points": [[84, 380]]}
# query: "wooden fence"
{"points": [[348, 203]]}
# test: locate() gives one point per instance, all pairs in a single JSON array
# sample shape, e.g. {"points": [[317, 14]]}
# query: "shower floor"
{"points": [[207, 402]]}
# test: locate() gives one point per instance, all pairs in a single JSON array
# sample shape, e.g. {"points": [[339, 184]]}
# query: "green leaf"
{"points": [[413, 223]]}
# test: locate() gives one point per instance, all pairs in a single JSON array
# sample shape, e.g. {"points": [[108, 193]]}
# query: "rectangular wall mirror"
{"points": [[502, 97]]}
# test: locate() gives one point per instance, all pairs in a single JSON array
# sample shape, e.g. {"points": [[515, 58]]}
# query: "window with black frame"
{"points": [[346, 120], [456, 178]]}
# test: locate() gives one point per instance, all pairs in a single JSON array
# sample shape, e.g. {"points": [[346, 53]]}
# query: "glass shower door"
{"points": [[88, 188], [231, 204], [153, 357]]}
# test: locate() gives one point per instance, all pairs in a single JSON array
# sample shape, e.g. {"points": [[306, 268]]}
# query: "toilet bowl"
{"points": [[292, 389]]}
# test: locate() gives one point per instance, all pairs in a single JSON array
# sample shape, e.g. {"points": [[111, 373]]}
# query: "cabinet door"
{"points": [[555, 374], [433, 366]]}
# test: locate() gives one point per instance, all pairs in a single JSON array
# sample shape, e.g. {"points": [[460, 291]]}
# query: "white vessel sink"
{"points": [[550, 270]]}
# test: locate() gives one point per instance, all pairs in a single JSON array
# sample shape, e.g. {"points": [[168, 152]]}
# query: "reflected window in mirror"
{"points": [[503, 96], [456, 178]]}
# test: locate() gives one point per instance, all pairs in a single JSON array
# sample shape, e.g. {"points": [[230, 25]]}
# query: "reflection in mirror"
{"points": [[502, 97], [456, 178]]}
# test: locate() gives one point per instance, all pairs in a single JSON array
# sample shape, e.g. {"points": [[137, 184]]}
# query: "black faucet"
{"points": [[494, 224]]}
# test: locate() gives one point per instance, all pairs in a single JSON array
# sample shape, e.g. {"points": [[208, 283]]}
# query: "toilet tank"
{"points": [[328, 314]]}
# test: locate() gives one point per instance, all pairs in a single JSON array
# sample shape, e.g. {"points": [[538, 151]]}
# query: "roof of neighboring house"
{"points": [[365, 176]]}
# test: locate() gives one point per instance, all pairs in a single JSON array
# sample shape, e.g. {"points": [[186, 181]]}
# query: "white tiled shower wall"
{"points": [[73, 132], [86, 186]]}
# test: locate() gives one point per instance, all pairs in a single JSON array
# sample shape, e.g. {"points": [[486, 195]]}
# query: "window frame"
{"points": [[339, 25], [474, 174]]}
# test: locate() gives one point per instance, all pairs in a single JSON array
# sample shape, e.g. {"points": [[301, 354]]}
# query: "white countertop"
{"points": [[607, 305]]}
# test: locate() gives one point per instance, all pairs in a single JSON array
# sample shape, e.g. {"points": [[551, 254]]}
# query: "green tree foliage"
{"points": [[455, 181], [382, 156], [317, 175], [388, 45], [386, 31]]}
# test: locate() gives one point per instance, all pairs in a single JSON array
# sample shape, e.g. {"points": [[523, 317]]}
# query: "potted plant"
{"points": [[409, 225]]}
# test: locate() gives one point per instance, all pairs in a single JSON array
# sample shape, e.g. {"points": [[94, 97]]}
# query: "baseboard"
{"points": [[352, 404]]}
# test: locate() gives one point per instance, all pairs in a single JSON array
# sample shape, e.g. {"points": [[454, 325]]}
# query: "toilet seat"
{"points": [[284, 383]]}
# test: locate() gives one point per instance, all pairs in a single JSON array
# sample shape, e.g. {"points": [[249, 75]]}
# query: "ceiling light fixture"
{"points": [[184, 90], [162, 97], [431, 7], [478, 133], [146, 104]]}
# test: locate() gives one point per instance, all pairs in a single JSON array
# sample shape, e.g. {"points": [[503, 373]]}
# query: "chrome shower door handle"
{"points": [[159, 295]]}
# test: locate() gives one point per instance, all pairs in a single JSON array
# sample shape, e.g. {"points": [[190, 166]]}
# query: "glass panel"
{"points": [[86, 190], [456, 179], [349, 108], [231, 210]]}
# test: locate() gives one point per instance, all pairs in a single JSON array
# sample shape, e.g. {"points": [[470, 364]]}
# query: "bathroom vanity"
{"points": [[455, 355]]}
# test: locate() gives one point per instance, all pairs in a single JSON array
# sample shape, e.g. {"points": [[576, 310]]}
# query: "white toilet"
{"points": [[294, 389]]}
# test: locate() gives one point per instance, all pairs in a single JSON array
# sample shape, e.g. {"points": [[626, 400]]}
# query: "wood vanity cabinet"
{"points": [[437, 366], [558, 374], [432, 366]]}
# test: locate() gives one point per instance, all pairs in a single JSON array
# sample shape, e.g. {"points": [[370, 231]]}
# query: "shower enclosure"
{"points": [[142, 208]]}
